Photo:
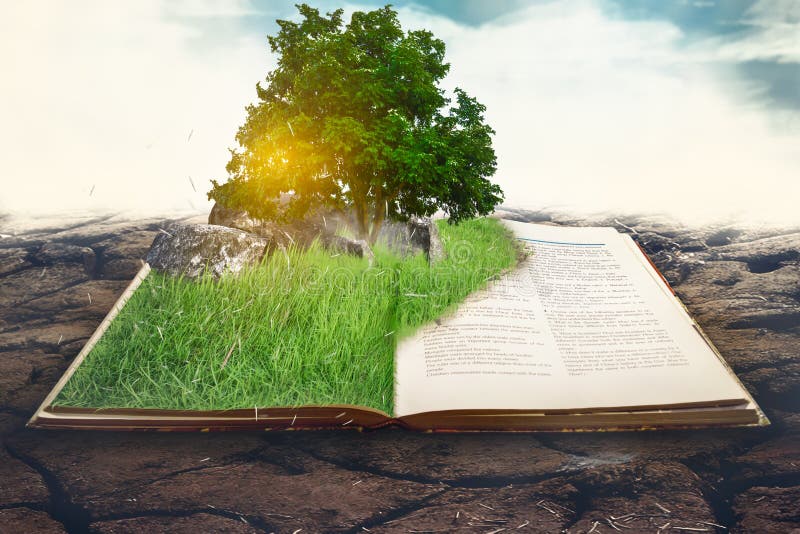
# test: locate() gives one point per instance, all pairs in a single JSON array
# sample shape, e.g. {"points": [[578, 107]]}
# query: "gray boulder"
{"points": [[418, 234], [301, 232], [239, 219], [355, 247], [424, 234], [194, 249]]}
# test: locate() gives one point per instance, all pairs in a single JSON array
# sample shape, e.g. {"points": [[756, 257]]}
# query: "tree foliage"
{"points": [[353, 117]]}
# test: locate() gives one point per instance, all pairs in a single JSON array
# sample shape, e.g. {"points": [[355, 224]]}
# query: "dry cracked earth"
{"points": [[58, 281]]}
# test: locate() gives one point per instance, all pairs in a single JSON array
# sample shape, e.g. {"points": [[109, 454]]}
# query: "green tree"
{"points": [[353, 117]]}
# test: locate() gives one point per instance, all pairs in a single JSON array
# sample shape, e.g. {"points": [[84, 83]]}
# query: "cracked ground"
{"points": [[58, 280]]}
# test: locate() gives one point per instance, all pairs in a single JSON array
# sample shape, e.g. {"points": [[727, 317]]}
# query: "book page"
{"points": [[582, 323]]}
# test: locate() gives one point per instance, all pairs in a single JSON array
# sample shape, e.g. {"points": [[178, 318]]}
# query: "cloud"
{"points": [[212, 8], [592, 112], [470, 12], [104, 95], [771, 32], [597, 114]]}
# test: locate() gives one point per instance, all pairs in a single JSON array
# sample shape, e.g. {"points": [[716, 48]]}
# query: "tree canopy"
{"points": [[353, 117]]}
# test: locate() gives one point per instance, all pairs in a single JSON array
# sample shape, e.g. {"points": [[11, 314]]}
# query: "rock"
{"points": [[13, 260], [676, 265], [129, 474], [549, 505], [642, 496], [355, 247], [693, 245], [233, 218], [762, 255], [723, 236], [448, 458], [11, 423], [750, 350], [27, 376], [424, 234], [772, 460], [121, 257], [418, 234], [119, 269], [193, 249], [28, 485], [28, 284], [751, 300], [191, 524], [776, 386], [48, 333], [767, 510], [653, 242], [615, 448], [90, 300], [333, 500], [57, 253], [29, 521], [301, 232]]}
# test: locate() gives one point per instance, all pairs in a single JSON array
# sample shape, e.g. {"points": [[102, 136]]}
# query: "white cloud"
{"points": [[767, 12], [212, 8], [592, 113], [105, 95], [595, 114]]}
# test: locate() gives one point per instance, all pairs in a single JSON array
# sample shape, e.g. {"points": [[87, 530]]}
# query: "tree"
{"points": [[353, 117]]}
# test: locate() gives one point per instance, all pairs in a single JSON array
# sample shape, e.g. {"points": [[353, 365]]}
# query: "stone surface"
{"points": [[417, 235], [425, 233], [205, 522], [17, 520], [232, 218], [345, 245], [303, 232], [768, 510], [58, 253], [455, 460], [540, 507], [120, 257], [23, 286], [740, 283], [26, 375], [643, 496], [21, 484], [13, 260], [191, 250]]}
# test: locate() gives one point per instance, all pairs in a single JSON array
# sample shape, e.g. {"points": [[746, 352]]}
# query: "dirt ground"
{"points": [[59, 278]]}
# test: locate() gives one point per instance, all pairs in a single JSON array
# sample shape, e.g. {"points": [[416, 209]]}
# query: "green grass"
{"points": [[304, 327]]}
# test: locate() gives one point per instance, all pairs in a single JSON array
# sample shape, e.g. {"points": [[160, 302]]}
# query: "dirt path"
{"points": [[57, 282]]}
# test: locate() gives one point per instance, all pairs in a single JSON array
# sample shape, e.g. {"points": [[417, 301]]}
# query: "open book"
{"points": [[584, 334]]}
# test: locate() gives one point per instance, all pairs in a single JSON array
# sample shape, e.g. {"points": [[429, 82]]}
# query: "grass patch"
{"points": [[303, 327]]}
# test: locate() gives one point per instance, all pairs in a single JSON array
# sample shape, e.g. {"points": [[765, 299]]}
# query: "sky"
{"points": [[689, 108]]}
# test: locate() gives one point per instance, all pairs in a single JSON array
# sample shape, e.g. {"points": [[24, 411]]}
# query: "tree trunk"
{"points": [[362, 220], [378, 217]]}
